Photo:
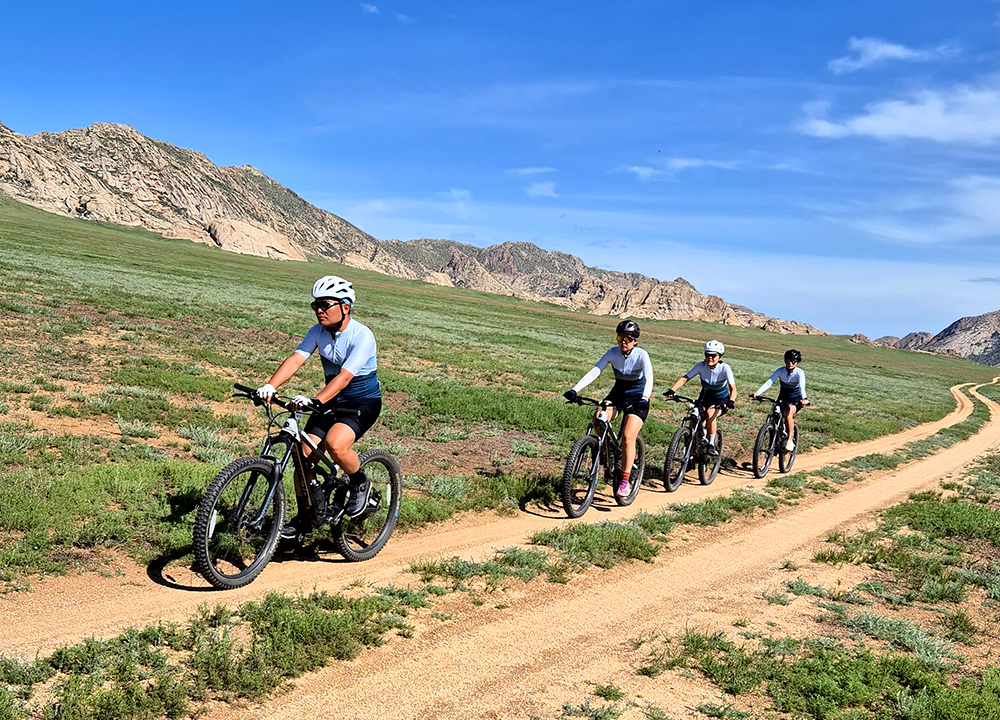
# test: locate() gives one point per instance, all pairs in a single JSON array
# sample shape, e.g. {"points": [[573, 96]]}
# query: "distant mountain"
{"points": [[976, 338], [114, 173]]}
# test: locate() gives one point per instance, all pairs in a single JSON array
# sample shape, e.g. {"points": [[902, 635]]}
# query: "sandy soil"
{"points": [[533, 647]]}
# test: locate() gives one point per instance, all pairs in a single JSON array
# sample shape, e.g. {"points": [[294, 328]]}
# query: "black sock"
{"points": [[357, 478]]}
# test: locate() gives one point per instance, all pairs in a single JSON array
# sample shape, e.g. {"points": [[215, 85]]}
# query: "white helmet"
{"points": [[714, 346], [334, 287]]}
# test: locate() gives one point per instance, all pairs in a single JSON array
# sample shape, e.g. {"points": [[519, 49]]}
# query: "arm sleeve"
{"points": [[647, 375], [693, 371], [587, 379], [802, 384], [768, 383], [729, 376], [309, 343], [361, 351]]}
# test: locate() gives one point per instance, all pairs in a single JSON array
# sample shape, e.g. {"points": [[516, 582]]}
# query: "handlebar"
{"points": [[680, 398], [581, 400], [251, 394]]}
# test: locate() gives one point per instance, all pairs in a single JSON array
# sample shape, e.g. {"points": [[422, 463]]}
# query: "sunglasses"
{"points": [[711, 355], [625, 339], [322, 305]]}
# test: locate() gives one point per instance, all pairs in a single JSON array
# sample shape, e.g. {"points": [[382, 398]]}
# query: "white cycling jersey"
{"points": [[352, 349], [792, 383], [712, 379], [633, 372]]}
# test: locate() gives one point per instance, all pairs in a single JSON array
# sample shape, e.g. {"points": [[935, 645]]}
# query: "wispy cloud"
{"points": [[991, 280], [866, 52], [960, 114], [404, 18], [520, 172], [542, 189], [369, 8], [968, 210], [675, 165]]}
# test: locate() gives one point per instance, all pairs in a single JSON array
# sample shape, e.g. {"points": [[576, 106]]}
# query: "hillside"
{"points": [[115, 174], [976, 338]]}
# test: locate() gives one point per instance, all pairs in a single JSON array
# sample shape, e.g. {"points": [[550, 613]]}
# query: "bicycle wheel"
{"points": [[763, 449], [674, 463], [635, 477], [360, 538], [708, 465], [787, 459], [236, 529], [580, 476]]}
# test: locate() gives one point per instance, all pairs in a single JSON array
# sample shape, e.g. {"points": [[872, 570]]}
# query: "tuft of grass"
{"points": [[604, 544]]}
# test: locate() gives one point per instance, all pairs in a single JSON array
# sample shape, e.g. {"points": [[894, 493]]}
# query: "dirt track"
{"points": [[541, 650]]}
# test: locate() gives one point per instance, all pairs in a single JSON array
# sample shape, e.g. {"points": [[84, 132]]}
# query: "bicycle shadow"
{"points": [[162, 572]]}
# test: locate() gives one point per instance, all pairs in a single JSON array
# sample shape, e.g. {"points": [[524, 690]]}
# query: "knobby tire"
{"points": [[708, 466], [635, 477], [580, 476], [763, 449], [229, 552], [361, 538], [787, 459], [674, 463]]}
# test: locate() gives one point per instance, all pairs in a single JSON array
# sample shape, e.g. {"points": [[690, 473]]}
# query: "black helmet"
{"points": [[628, 328], [793, 356]]}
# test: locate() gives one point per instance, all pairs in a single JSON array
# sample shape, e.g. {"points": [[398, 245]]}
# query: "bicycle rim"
{"points": [[787, 459], [231, 545], [580, 476], [635, 476], [361, 538], [675, 460], [708, 465], [763, 449]]}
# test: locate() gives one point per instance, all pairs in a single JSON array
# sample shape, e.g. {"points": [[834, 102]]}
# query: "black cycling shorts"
{"points": [[370, 408], [795, 400], [629, 404], [707, 400]]}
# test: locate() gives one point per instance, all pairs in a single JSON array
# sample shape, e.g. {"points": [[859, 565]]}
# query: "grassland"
{"points": [[119, 348]]}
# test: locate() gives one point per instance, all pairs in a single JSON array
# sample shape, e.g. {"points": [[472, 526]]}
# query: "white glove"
{"points": [[266, 392], [301, 401]]}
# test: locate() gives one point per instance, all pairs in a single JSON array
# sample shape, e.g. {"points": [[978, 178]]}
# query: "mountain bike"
{"points": [[771, 439], [690, 444], [601, 446], [238, 524]]}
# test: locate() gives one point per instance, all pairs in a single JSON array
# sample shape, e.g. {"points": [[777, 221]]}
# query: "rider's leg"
{"points": [[633, 424], [338, 443], [711, 426], [790, 411], [300, 525]]}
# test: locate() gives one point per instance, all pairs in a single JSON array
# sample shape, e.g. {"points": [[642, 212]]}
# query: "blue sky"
{"points": [[838, 165]]}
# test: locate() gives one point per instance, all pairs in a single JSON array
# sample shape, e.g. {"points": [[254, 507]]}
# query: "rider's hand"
{"points": [[265, 392], [753, 396], [669, 393], [300, 402], [643, 405], [730, 404], [804, 401], [570, 395]]}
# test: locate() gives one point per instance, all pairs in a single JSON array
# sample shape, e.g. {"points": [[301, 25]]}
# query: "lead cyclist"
{"points": [[347, 351]]}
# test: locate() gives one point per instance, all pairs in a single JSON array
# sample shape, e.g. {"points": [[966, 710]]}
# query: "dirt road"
{"points": [[548, 642]]}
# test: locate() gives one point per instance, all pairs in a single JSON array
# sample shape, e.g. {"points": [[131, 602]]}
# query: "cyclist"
{"points": [[347, 351], [718, 388], [631, 391], [792, 395]]}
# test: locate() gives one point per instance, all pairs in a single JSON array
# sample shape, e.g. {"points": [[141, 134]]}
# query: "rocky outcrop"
{"points": [[887, 341], [114, 173], [860, 339], [976, 338], [914, 341]]}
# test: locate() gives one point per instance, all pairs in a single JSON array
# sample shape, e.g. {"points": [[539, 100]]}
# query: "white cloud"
{"points": [[520, 172], [685, 163], [543, 189], [872, 51], [961, 114], [404, 18], [644, 173], [369, 8]]}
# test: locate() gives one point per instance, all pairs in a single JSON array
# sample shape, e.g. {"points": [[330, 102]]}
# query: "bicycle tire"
{"points": [[232, 554], [580, 476], [708, 470], [635, 477], [763, 449], [361, 538], [787, 459], [673, 464]]}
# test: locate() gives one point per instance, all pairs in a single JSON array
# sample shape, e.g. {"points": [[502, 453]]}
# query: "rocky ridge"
{"points": [[114, 173]]}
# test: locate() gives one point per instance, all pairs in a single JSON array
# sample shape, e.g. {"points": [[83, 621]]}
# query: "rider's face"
{"points": [[329, 314], [711, 359], [789, 366]]}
